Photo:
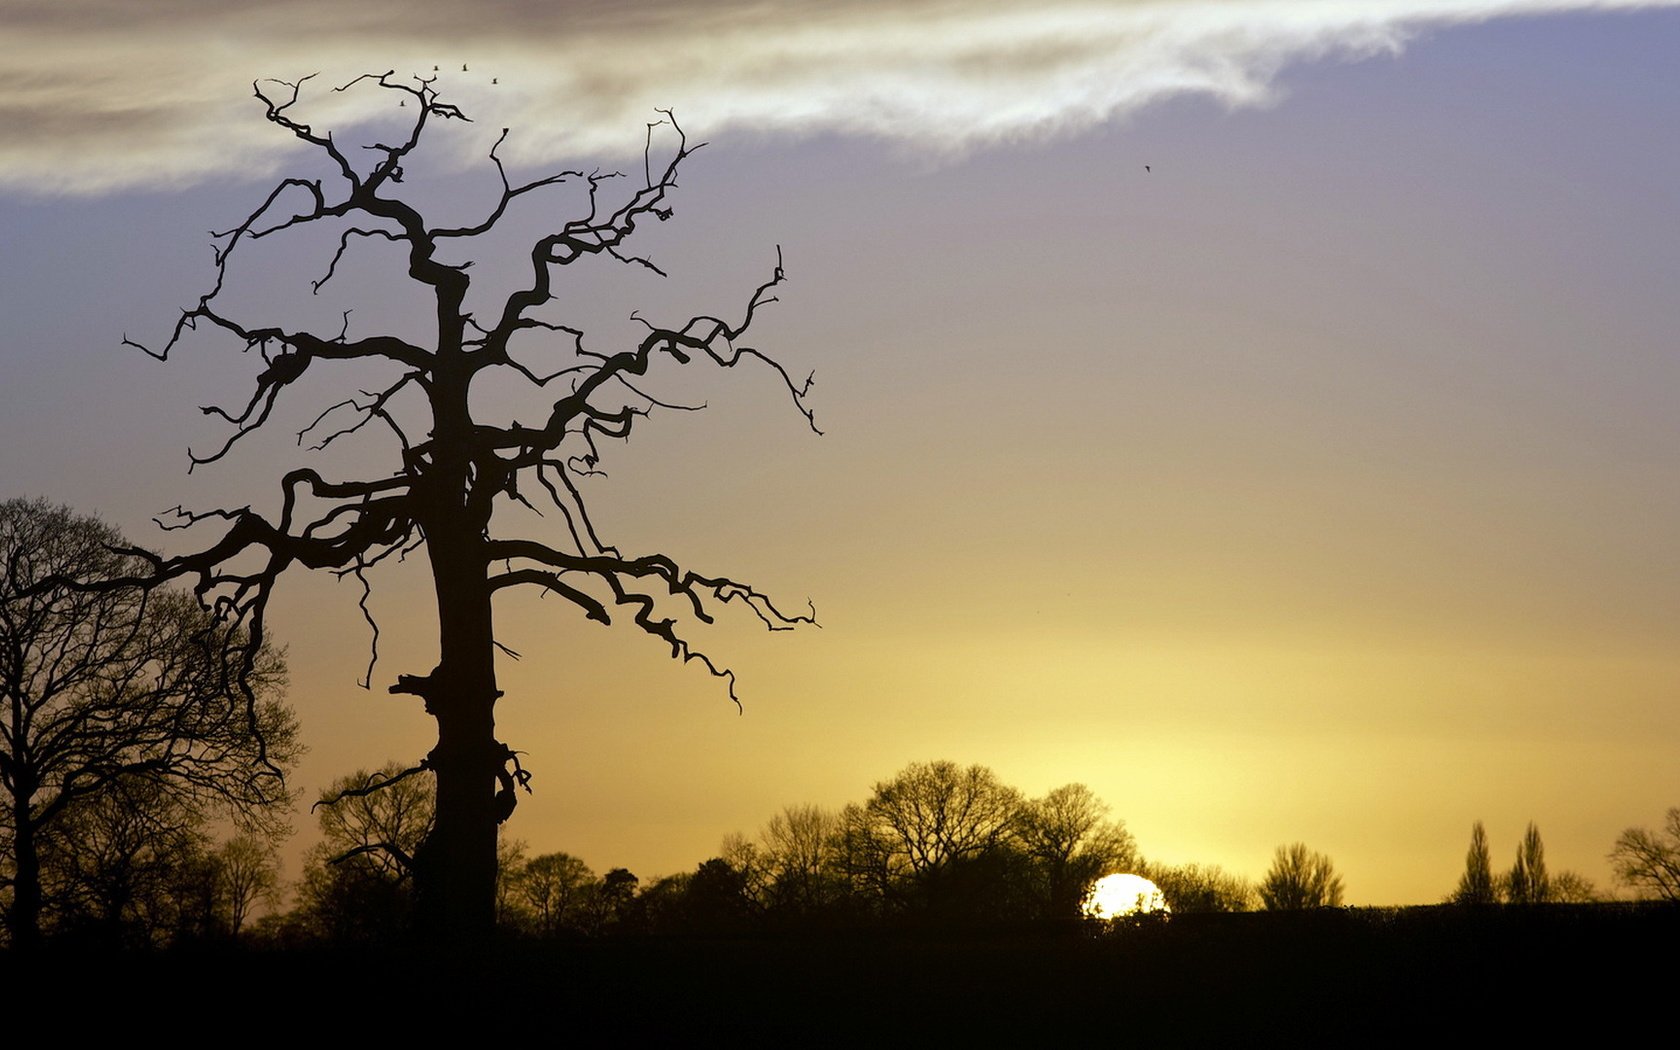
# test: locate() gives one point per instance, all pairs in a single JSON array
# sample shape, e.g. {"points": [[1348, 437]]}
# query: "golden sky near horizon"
{"points": [[1320, 483]]}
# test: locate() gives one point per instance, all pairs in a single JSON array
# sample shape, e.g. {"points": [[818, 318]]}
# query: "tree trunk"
{"points": [[25, 917], [455, 868]]}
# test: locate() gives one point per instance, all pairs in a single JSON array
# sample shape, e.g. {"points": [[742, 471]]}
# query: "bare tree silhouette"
{"points": [[923, 826], [1299, 879], [1069, 835], [1650, 861], [451, 472]]}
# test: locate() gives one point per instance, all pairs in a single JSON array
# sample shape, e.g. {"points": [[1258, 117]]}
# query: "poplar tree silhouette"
{"points": [[452, 473], [1528, 882], [1476, 885]]}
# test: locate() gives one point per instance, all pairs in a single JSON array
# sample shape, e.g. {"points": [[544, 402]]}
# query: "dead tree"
{"points": [[451, 473]]}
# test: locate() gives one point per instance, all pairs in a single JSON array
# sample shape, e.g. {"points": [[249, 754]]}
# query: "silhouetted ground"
{"points": [[1366, 974]]}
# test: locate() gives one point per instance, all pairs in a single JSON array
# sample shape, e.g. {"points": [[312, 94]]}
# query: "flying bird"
{"points": [[1146, 168], [463, 67], [493, 80]]}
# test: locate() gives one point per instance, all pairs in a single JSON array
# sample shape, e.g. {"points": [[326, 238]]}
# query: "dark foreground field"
{"points": [[1366, 974]]}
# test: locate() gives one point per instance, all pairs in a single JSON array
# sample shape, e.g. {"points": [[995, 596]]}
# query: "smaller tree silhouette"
{"points": [[1648, 861], [1072, 843], [1476, 885], [611, 903], [247, 871], [934, 818], [121, 695], [1300, 879], [1571, 887], [555, 887], [1528, 882], [715, 900], [357, 881], [800, 858]]}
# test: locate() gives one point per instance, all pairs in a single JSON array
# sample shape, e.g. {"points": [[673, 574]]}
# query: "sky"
{"points": [[1261, 412]]}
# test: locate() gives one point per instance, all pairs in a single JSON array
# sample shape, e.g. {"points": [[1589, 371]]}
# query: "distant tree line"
{"points": [[941, 844], [936, 844]]}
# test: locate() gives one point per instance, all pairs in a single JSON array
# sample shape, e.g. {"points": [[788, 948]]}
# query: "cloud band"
{"points": [[104, 95]]}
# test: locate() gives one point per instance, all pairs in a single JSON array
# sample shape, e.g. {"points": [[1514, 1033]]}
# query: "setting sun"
{"points": [[1118, 895]]}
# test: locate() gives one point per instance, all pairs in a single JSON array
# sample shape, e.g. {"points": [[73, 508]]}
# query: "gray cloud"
{"points": [[102, 95]]}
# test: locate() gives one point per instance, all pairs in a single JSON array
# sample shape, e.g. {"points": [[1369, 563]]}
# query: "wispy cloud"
{"points": [[102, 95]]}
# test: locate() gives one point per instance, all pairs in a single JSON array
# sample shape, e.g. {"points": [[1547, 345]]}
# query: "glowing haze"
{"points": [[1320, 483]]}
